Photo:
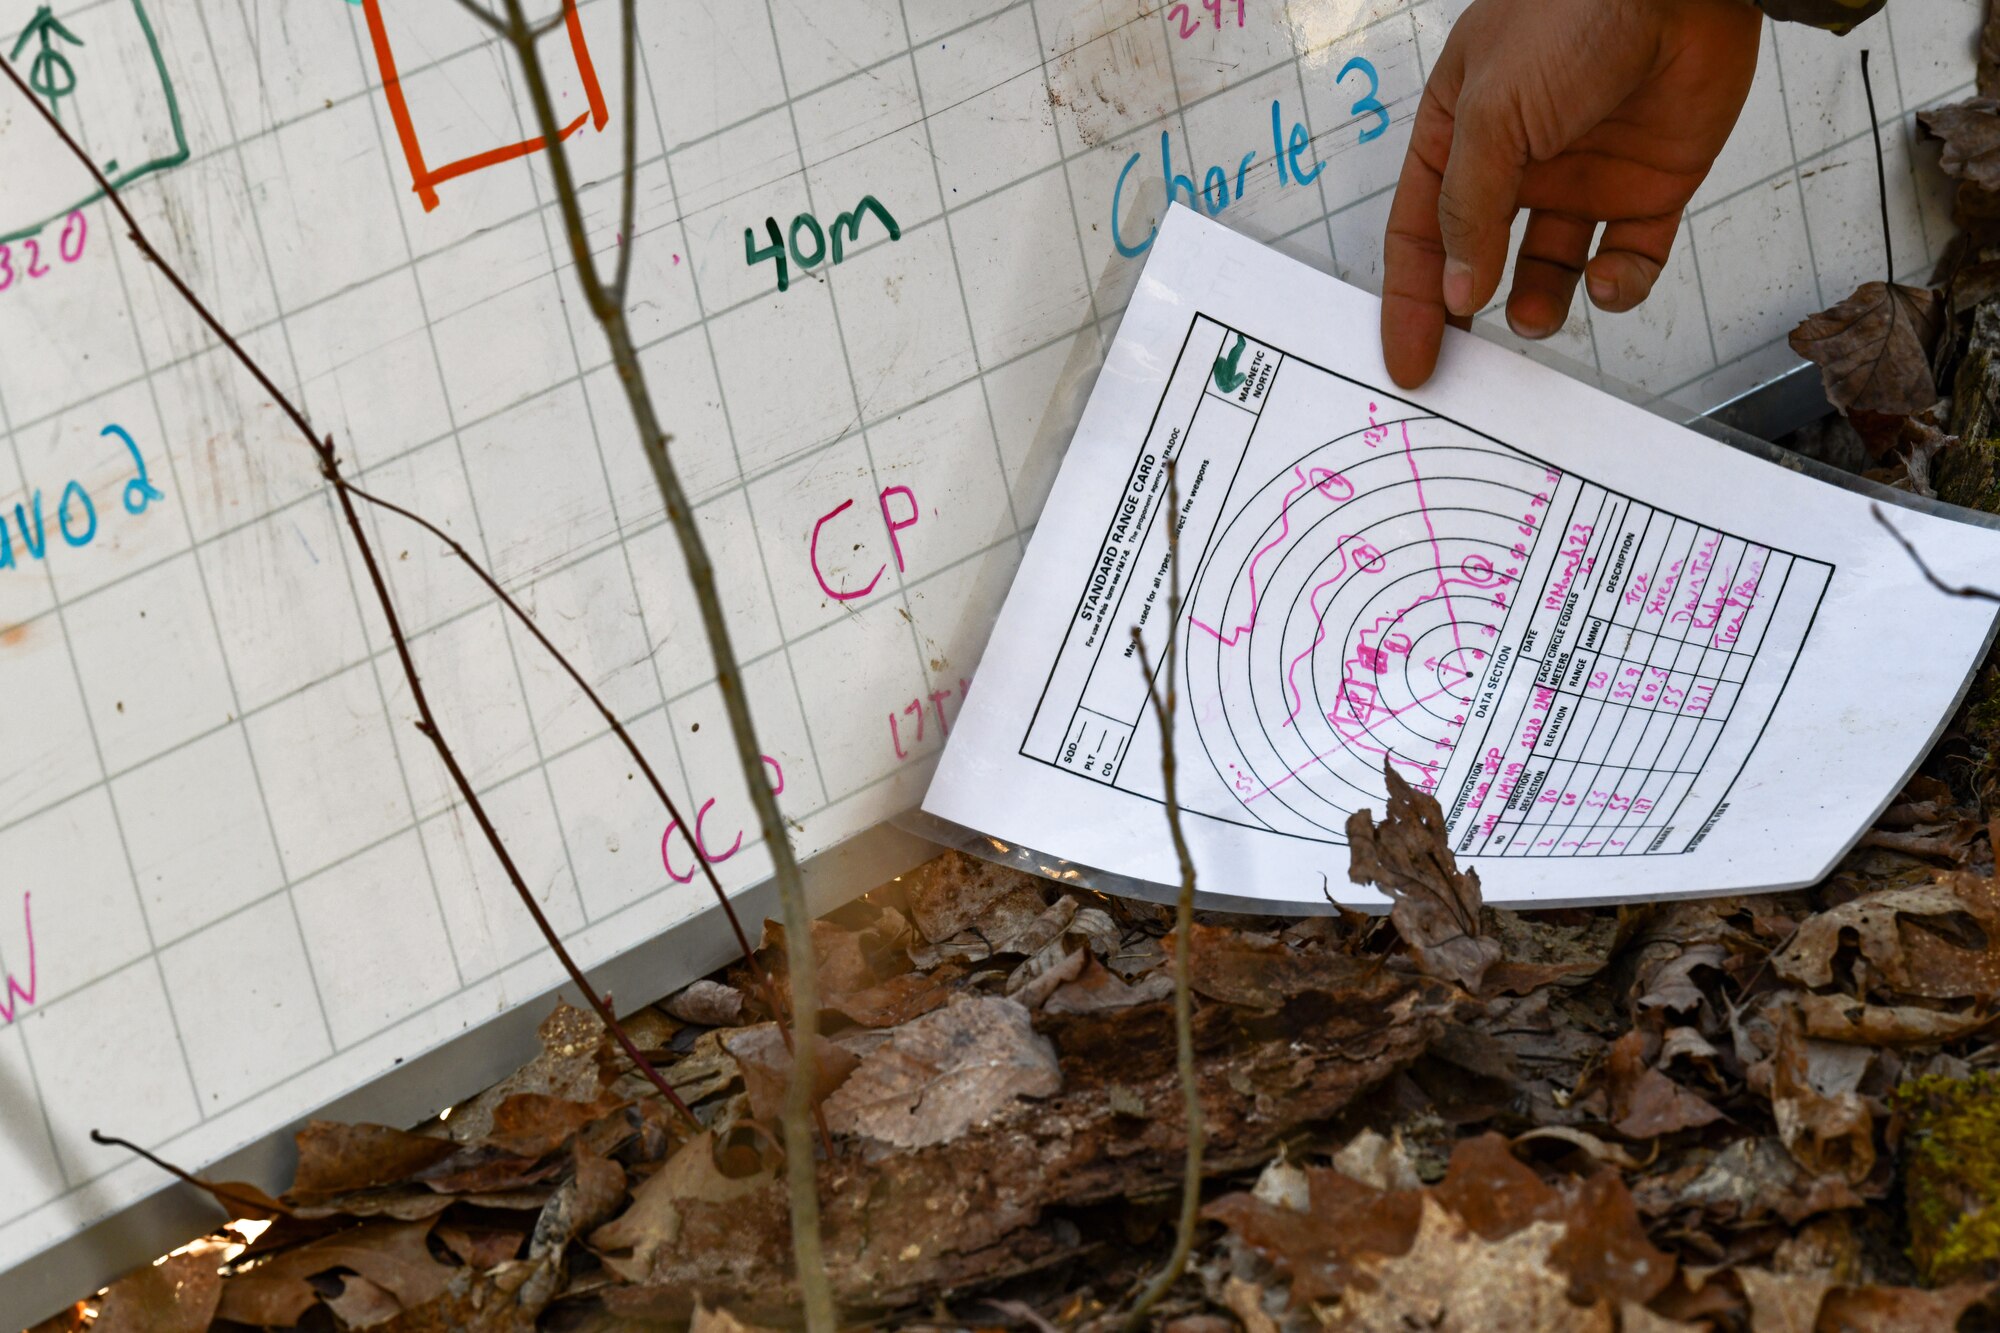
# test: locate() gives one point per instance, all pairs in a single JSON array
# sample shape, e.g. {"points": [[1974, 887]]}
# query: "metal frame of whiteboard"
{"points": [[414, 1090]]}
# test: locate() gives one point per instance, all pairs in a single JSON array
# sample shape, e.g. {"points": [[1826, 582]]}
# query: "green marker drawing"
{"points": [[1227, 377], [51, 75]]}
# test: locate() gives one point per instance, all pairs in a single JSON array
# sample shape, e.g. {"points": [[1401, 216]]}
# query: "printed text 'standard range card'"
{"points": [[1627, 660]]}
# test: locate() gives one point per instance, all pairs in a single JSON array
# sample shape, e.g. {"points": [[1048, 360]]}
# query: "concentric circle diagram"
{"points": [[1347, 611]]}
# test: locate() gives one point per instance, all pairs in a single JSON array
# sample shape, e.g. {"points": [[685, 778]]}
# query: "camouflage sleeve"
{"points": [[1833, 15]]}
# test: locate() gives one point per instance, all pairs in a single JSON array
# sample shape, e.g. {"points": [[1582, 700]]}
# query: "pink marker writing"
{"points": [[915, 708], [700, 839], [889, 521], [17, 996]]}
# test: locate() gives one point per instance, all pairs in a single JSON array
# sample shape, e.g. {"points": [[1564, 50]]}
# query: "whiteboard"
{"points": [[241, 888]]}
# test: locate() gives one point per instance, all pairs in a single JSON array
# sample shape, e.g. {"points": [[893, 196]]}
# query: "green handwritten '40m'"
{"points": [[848, 223]]}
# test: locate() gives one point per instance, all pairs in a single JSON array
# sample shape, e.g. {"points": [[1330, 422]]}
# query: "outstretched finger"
{"points": [[1553, 250], [1477, 199], [1628, 261], [1413, 309]]}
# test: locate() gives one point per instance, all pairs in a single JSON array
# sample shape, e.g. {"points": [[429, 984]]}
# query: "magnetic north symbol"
{"points": [[97, 68], [1227, 377], [51, 74], [425, 178]]}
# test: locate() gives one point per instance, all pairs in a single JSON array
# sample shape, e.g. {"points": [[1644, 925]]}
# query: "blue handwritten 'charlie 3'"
{"points": [[1288, 151]]}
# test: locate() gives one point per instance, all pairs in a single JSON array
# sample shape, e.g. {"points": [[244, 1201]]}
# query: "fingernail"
{"points": [[1528, 329], [1458, 286], [1603, 291]]}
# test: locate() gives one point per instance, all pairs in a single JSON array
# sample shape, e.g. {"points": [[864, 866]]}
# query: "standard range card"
{"points": [[1628, 661]]}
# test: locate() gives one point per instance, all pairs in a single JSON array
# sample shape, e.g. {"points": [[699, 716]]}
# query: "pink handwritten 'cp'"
{"points": [[700, 842], [892, 523]]}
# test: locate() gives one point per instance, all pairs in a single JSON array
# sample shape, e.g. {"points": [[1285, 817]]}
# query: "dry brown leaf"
{"points": [[1604, 1247], [1971, 134], [767, 1068], [1317, 1248], [897, 1000], [1596, 1243], [1828, 1135], [652, 1223], [706, 1003], [176, 1295], [1097, 989], [1783, 1302], [392, 1255], [1608, 1153], [1246, 1301], [1452, 1281], [1259, 971], [339, 1159], [938, 1075], [1633, 1318], [1935, 941], [576, 1061], [529, 1124], [362, 1304], [950, 892], [1837, 1018], [477, 1246], [1873, 351], [1646, 1103], [1898, 1309], [1408, 858]]}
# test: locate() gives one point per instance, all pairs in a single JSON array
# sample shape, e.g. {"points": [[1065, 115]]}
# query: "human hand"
{"points": [[1581, 112]]}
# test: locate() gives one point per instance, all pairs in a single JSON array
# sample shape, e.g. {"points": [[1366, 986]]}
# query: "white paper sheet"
{"points": [[1629, 661]]}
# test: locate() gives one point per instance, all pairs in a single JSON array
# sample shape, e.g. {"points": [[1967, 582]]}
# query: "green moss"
{"points": [[1968, 473], [1951, 1174]]}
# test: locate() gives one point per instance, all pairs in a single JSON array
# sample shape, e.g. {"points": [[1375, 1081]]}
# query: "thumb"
{"points": [[1476, 201]]}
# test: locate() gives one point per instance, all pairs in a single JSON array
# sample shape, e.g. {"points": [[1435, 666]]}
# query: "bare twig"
{"points": [[330, 469], [1164, 706], [240, 1205], [1962, 590], [1881, 172], [607, 304], [763, 978]]}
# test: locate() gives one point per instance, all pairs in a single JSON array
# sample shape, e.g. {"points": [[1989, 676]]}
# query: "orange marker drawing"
{"points": [[426, 179]]}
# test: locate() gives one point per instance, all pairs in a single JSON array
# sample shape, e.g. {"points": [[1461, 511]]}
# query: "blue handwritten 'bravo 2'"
{"points": [[76, 512]]}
